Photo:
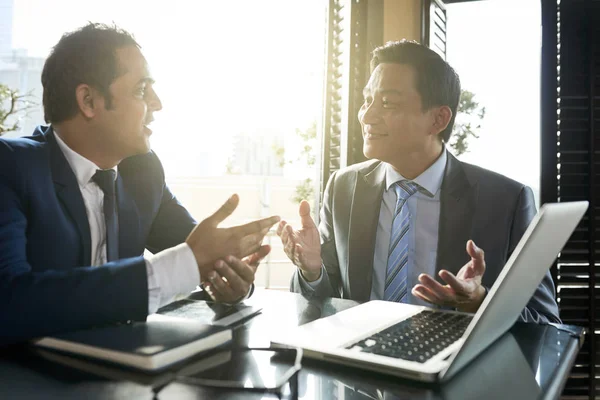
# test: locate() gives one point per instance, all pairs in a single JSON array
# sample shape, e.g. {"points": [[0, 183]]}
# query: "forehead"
{"points": [[131, 62], [390, 76]]}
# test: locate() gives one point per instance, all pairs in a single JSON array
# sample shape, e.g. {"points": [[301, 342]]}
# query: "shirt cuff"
{"points": [[310, 286], [171, 273]]}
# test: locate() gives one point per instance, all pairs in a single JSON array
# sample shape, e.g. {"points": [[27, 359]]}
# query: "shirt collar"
{"points": [[430, 180], [83, 168]]}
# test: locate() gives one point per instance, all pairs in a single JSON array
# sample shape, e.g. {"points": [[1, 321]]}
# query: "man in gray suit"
{"points": [[395, 227]]}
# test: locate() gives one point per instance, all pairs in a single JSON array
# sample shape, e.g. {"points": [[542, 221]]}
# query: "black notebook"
{"points": [[209, 312], [116, 373], [153, 345]]}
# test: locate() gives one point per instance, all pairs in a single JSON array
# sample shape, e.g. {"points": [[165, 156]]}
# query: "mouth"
{"points": [[147, 129], [374, 136]]}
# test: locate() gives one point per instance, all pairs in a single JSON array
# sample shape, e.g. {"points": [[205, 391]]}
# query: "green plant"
{"points": [[12, 103], [468, 122]]}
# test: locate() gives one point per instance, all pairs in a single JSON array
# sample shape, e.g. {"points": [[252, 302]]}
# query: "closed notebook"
{"points": [[153, 345], [209, 312], [116, 373]]}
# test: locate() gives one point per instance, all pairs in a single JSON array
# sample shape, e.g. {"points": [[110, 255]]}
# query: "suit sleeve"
{"points": [[542, 307], [330, 279], [35, 304], [173, 223]]}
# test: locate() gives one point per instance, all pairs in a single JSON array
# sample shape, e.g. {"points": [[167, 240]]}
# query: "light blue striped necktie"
{"points": [[398, 257]]}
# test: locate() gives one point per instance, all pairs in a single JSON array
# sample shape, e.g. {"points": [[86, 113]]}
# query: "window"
{"points": [[241, 85], [501, 67]]}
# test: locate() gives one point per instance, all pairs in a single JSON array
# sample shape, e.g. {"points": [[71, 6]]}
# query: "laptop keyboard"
{"points": [[417, 338]]}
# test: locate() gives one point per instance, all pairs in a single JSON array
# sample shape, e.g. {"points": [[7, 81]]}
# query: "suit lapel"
{"points": [[68, 192], [366, 203], [129, 222], [458, 199]]}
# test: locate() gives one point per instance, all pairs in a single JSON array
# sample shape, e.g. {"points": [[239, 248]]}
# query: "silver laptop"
{"points": [[427, 344]]}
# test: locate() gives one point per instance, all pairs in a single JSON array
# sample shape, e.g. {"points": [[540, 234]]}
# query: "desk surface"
{"points": [[529, 362]]}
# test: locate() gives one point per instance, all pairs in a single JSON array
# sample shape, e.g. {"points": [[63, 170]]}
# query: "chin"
{"points": [[140, 148], [145, 148], [371, 153]]}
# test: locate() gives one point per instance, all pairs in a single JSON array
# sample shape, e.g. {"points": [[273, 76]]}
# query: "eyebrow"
{"points": [[146, 80], [392, 91], [367, 91]]}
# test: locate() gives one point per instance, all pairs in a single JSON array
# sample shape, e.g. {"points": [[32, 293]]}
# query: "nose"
{"points": [[368, 115], [154, 104]]}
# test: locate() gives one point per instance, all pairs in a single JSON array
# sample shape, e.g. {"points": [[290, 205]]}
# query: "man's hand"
{"points": [[232, 277], [463, 291], [210, 243], [303, 246]]}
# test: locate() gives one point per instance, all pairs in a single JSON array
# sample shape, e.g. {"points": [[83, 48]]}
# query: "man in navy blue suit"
{"points": [[82, 198]]}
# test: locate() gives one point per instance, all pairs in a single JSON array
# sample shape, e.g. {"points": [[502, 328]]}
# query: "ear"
{"points": [[442, 116], [87, 100]]}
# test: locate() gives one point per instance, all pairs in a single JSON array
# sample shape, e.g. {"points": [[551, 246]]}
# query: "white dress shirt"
{"points": [[423, 238], [171, 273]]}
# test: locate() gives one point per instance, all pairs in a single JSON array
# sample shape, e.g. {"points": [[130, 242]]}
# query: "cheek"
{"points": [[398, 125], [140, 111], [405, 126], [134, 111]]}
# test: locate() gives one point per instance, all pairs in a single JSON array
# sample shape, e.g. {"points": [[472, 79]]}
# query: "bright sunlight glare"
{"points": [[221, 67]]}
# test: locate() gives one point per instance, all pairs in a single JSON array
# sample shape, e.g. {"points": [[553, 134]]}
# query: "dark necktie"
{"points": [[106, 180]]}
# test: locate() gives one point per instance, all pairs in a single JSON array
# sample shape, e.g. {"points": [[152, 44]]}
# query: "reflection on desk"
{"points": [[529, 362]]}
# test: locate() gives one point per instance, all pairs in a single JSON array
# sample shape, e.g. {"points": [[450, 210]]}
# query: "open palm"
{"points": [[302, 246]]}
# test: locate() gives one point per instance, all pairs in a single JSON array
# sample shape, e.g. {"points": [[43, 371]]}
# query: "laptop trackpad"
{"points": [[349, 325]]}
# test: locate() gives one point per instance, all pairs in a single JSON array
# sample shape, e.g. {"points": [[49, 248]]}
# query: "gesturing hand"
{"points": [[303, 246], [210, 243], [238, 274], [463, 291]]}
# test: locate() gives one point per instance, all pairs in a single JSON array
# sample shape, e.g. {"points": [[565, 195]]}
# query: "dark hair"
{"points": [[437, 82], [86, 55]]}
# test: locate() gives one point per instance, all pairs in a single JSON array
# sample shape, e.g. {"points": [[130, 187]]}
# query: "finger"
{"points": [[225, 211], [434, 297], [292, 235], [236, 279], [249, 245], [477, 257], [220, 287], [240, 268], [435, 287], [305, 218], [455, 283], [290, 249], [280, 227], [256, 226], [255, 258], [420, 292], [285, 234], [290, 241], [208, 289]]}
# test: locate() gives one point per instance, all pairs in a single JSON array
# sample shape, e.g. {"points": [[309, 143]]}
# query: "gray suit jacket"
{"points": [[476, 204]]}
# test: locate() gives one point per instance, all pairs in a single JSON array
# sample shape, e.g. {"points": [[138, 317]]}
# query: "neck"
{"points": [[82, 141], [412, 165]]}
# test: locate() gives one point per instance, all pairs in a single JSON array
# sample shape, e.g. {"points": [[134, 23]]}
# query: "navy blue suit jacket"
{"points": [[46, 282]]}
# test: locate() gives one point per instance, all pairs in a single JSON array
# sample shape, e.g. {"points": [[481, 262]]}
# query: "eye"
{"points": [[141, 91], [386, 103]]}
